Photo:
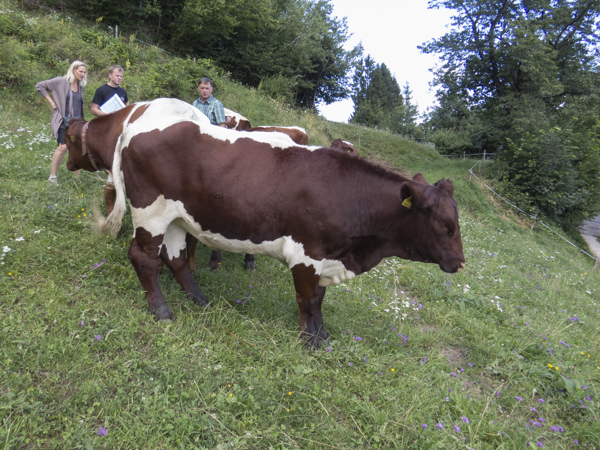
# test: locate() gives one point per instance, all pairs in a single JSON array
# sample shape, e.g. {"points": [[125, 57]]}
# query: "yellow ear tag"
{"points": [[73, 139], [407, 202]]}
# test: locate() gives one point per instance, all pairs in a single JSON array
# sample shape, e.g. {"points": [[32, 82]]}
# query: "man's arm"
{"points": [[96, 110]]}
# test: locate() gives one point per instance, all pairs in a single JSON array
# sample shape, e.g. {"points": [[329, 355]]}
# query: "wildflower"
{"points": [[358, 338], [82, 323], [453, 374], [328, 349], [466, 420], [583, 386], [541, 400], [447, 399], [424, 359], [564, 343], [98, 337], [457, 428], [102, 431], [439, 425], [539, 444], [424, 426], [533, 409], [519, 398]]}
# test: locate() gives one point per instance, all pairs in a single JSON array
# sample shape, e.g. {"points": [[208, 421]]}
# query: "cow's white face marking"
{"points": [[170, 218]]}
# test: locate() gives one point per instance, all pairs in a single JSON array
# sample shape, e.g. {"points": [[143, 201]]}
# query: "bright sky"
{"points": [[390, 31]]}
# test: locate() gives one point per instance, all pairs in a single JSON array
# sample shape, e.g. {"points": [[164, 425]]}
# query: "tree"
{"points": [[262, 41], [377, 98], [519, 66]]}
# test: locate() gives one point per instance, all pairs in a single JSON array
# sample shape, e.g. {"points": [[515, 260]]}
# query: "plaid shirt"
{"points": [[212, 108]]}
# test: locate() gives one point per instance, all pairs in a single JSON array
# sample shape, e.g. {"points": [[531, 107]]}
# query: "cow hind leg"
{"points": [[144, 255], [174, 256], [309, 296], [191, 243]]}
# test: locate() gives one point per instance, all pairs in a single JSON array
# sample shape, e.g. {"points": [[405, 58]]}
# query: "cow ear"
{"points": [[419, 178], [413, 194], [446, 184]]}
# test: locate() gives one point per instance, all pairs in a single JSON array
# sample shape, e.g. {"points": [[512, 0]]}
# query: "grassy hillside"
{"points": [[501, 355]]}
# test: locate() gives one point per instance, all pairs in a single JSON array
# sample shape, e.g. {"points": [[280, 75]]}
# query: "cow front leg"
{"points": [[144, 255], [309, 296], [215, 260]]}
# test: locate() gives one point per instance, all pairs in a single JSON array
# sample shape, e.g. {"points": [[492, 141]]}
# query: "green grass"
{"points": [[79, 350]]}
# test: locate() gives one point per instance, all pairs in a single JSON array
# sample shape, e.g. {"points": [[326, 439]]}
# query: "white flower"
{"points": [[20, 239], [6, 249]]}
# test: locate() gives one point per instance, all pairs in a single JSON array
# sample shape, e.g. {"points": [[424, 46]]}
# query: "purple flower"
{"points": [[533, 409], [358, 338], [466, 420], [447, 399], [583, 387], [420, 306], [350, 364], [469, 364], [554, 428], [453, 374], [439, 425], [457, 428], [497, 394], [539, 444], [424, 426], [564, 343], [519, 398], [82, 323], [541, 400], [424, 359], [102, 431], [328, 349], [98, 337], [576, 442]]}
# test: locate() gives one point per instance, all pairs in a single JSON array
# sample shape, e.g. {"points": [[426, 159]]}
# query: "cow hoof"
{"points": [[200, 300], [250, 265], [213, 265], [312, 342], [163, 313]]}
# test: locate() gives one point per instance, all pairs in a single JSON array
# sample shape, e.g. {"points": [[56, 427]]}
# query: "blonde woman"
{"points": [[66, 100]]}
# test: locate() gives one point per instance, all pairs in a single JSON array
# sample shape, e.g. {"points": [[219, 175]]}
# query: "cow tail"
{"points": [[112, 223]]}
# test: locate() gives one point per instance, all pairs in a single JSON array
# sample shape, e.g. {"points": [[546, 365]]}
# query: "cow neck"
{"points": [[84, 148]]}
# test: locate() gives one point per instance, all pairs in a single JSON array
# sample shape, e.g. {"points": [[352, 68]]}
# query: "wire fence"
{"points": [[534, 218]]}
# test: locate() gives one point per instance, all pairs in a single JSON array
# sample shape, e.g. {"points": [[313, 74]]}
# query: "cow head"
{"points": [[430, 231], [78, 156], [346, 146]]}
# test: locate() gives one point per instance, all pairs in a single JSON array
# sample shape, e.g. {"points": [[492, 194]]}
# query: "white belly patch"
{"points": [[170, 218]]}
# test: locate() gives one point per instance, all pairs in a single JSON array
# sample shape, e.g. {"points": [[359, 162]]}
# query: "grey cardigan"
{"points": [[59, 89]]}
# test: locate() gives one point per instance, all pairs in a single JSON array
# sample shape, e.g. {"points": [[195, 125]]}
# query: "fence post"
{"points": [[534, 220], [484, 155], [464, 155], [116, 31]]}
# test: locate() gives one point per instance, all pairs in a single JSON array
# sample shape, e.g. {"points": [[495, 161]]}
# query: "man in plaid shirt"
{"points": [[210, 106]]}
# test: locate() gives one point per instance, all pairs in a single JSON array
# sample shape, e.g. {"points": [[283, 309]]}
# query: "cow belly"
{"points": [[170, 218]]}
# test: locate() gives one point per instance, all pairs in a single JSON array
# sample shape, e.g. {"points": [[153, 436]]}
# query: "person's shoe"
{"points": [[52, 179]]}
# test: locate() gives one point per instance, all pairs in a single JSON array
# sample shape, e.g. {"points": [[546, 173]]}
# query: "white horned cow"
{"points": [[327, 216]]}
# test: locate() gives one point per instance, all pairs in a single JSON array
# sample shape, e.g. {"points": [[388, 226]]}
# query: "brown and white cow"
{"points": [[345, 146], [237, 122], [324, 215], [297, 134]]}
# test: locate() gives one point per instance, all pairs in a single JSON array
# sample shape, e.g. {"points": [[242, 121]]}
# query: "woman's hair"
{"points": [[70, 76]]}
